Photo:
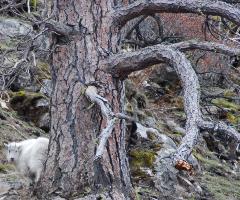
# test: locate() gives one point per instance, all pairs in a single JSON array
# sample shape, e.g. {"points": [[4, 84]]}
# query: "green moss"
{"points": [[24, 103], [180, 114], [142, 158], [28, 96], [21, 93], [4, 168], [156, 147], [177, 133], [151, 136], [226, 104], [203, 159], [23, 99], [43, 71], [229, 93], [232, 118], [221, 187], [212, 165], [33, 4], [8, 43], [178, 102]]}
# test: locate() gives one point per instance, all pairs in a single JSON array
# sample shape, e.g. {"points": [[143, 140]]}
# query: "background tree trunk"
{"points": [[70, 168]]}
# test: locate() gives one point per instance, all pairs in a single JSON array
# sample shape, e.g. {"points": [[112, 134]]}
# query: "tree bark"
{"points": [[70, 169]]}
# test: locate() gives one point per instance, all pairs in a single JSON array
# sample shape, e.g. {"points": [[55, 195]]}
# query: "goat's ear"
{"points": [[238, 148], [19, 148], [5, 145]]}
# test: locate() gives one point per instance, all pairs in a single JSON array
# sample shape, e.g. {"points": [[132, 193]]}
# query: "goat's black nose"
{"points": [[12, 159]]}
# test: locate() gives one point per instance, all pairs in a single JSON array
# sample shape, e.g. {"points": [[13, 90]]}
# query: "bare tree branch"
{"points": [[91, 93], [206, 46], [12, 5], [127, 62], [143, 7], [120, 65], [60, 28], [231, 1], [219, 127]]}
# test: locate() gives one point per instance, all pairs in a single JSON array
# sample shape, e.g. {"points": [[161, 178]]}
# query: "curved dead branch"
{"points": [[219, 127], [128, 62], [121, 65], [206, 46], [209, 7], [125, 63]]}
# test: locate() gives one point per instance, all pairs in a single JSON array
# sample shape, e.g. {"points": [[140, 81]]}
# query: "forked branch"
{"points": [[91, 93]]}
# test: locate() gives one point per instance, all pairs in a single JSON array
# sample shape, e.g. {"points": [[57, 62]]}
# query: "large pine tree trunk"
{"points": [[70, 168]]}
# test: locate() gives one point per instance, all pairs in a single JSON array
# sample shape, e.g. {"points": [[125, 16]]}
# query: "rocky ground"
{"points": [[216, 166], [158, 107]]}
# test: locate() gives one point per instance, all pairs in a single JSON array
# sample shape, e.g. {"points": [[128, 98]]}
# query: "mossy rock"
{"points": [[226, 104], [151, 136], [156, 146], [178, 133], [25, 104], [26, 99], [146, 192], [142, 158], [180, 114]]}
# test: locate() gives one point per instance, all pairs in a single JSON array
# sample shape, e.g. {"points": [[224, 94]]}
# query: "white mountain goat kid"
{"points": [[28, 156]]}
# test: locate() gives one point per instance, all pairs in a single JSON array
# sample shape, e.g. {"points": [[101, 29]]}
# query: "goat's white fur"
{"points": [[28, 156]]}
